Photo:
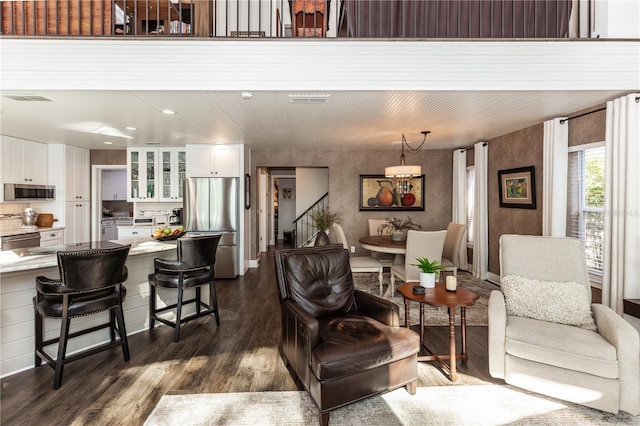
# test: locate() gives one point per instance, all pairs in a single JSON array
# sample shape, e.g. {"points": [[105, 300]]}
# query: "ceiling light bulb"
{"points": [[168, 111], [130, 128], [108, 143]]}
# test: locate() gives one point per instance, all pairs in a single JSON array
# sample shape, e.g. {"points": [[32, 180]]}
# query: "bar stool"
{"points": [[194, 268], [90, 282]]}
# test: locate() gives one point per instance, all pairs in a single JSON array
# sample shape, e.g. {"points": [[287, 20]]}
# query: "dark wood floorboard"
{"points": [[239, 356]]}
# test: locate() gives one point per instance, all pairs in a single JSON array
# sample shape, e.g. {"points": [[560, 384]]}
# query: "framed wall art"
{"points": [[517, 188], [379, 193]]}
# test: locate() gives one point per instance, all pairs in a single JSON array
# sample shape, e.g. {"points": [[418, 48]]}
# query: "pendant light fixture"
{"points": [[403, 173]]}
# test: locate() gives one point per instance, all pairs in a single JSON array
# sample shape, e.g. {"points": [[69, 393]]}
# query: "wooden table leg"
{"points": [[406, 313], [463, 330], [452, 344]]}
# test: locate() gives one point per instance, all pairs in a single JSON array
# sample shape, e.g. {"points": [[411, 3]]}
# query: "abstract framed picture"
{"points": [[517, 188], [380, 193]]}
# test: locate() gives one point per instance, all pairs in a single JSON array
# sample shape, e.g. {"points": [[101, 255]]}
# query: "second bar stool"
{"points": [[194, 268]]}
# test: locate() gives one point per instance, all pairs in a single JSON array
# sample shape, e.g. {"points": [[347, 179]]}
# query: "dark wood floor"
{"points": [[239, 356]]}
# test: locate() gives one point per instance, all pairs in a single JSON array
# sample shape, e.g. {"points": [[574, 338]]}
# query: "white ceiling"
{"points": [[269, 120]]}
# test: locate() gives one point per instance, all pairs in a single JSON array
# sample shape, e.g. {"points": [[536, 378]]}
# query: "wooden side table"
{"points": [[440, 297]]}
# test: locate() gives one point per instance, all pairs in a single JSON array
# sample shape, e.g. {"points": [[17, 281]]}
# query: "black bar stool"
{"points": [[90, 282], [194, 268]]}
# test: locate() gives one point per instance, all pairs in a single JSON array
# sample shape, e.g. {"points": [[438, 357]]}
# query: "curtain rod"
{"points": [[581, 115], [473, 146]]}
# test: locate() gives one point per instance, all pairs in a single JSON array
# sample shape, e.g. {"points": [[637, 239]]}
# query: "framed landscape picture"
{"points": [[379, 193], [517, 188]]}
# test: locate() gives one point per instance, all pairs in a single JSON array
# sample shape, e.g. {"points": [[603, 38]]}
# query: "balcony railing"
{"points": [[423, 19]]}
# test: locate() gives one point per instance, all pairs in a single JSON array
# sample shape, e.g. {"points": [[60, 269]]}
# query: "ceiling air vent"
{"points": [[308, 99], [27, 97]]}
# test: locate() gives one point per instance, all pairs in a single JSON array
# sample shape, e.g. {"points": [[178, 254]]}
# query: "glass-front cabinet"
{"points": [[173, 171], [142, 174]]}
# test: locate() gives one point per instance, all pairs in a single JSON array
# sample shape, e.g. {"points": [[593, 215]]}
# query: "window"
{"points": [[470, 189], [585, 209]]}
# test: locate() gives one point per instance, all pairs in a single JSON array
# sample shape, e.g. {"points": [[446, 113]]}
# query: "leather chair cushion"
{"points": [[79, 304], [352, 343], [172, 280], [321, 284]]}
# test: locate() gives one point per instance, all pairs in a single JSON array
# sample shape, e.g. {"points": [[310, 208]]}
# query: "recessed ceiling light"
{"points": [[168, 111], [130, 128], [152, 143], [247, 95], [108, 143]]}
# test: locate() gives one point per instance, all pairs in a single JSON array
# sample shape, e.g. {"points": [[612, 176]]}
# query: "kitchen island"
{"points": [[18, 271]]}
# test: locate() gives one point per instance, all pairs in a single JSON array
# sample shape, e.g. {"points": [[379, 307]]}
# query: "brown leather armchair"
{"points": [[341, 344]]}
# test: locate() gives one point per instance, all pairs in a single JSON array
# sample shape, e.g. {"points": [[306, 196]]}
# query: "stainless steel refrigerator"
{"points": [[211, 207]]}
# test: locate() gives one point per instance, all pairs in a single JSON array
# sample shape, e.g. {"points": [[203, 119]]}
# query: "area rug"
{"points": [[434, 316], [438, 405]]}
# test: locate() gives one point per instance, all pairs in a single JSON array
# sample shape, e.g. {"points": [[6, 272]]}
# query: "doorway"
{"points": [[97, 187]]}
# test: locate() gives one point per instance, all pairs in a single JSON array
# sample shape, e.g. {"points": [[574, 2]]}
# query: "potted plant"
{"points": [[428, 271], [398, 227], [322, 219]]}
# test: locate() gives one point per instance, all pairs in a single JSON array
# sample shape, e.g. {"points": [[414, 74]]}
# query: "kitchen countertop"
{"points": [[18, 231], [45, 257]]}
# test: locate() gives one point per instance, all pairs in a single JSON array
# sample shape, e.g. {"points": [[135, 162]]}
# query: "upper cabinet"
{"points": [[114, 185], [173, 167], [142, 174], [76, 173], [213, 161], [24, 161]]}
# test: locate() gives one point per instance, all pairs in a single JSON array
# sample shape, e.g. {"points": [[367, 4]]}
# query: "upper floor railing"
{"points": [[421, 19]]}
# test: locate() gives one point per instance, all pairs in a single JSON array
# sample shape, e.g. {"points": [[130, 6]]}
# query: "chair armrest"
{"points": [[619, 333], [497, 334], [306, 326], [378, 308], [46, 285]]}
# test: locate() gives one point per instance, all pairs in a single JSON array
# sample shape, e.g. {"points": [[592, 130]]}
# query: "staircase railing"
{"points": [[304, 227]]}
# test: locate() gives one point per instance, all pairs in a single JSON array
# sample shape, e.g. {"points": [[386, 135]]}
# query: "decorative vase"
{"points": [[428, 279], [322, 239], [397, 236]]}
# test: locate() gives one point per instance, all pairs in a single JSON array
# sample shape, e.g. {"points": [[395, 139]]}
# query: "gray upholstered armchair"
{"points": [[597, 368]]}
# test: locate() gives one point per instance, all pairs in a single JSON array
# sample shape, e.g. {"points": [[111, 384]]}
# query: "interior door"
{"points": [[263, 209]]}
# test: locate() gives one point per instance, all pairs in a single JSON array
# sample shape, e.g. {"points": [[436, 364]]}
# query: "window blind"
{"points": [[585, 199]]}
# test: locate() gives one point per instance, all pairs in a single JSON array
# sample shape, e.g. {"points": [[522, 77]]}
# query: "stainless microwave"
{"points": [[21, 192]]}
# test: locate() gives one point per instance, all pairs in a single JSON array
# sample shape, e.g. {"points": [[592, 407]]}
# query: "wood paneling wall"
{"points": [[70, 17]]}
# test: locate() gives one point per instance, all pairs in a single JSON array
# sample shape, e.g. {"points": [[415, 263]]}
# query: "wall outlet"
{"points": [[353, 249]]}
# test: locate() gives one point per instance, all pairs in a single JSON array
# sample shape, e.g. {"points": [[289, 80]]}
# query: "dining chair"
{"points": [[357, 263], [427, 244], [451, 250], [385, 258]]}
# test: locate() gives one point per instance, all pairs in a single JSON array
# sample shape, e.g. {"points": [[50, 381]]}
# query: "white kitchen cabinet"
{"points": [[213, 161], [114, 185], [76, 173], [173, 167], [77, 219], [135, 232], [24, 161], [142, 174], [54, 237]]}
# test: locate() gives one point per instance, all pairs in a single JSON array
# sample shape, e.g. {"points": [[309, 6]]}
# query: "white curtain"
{"points": [[555, 163], [622, 202], [481, 233], [459, 197]]}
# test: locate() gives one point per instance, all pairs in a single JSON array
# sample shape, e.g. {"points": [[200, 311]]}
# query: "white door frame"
{"points": [[96, 196]]}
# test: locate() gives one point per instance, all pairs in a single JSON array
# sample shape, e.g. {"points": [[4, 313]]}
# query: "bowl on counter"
{"points": [[159, 234]]}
